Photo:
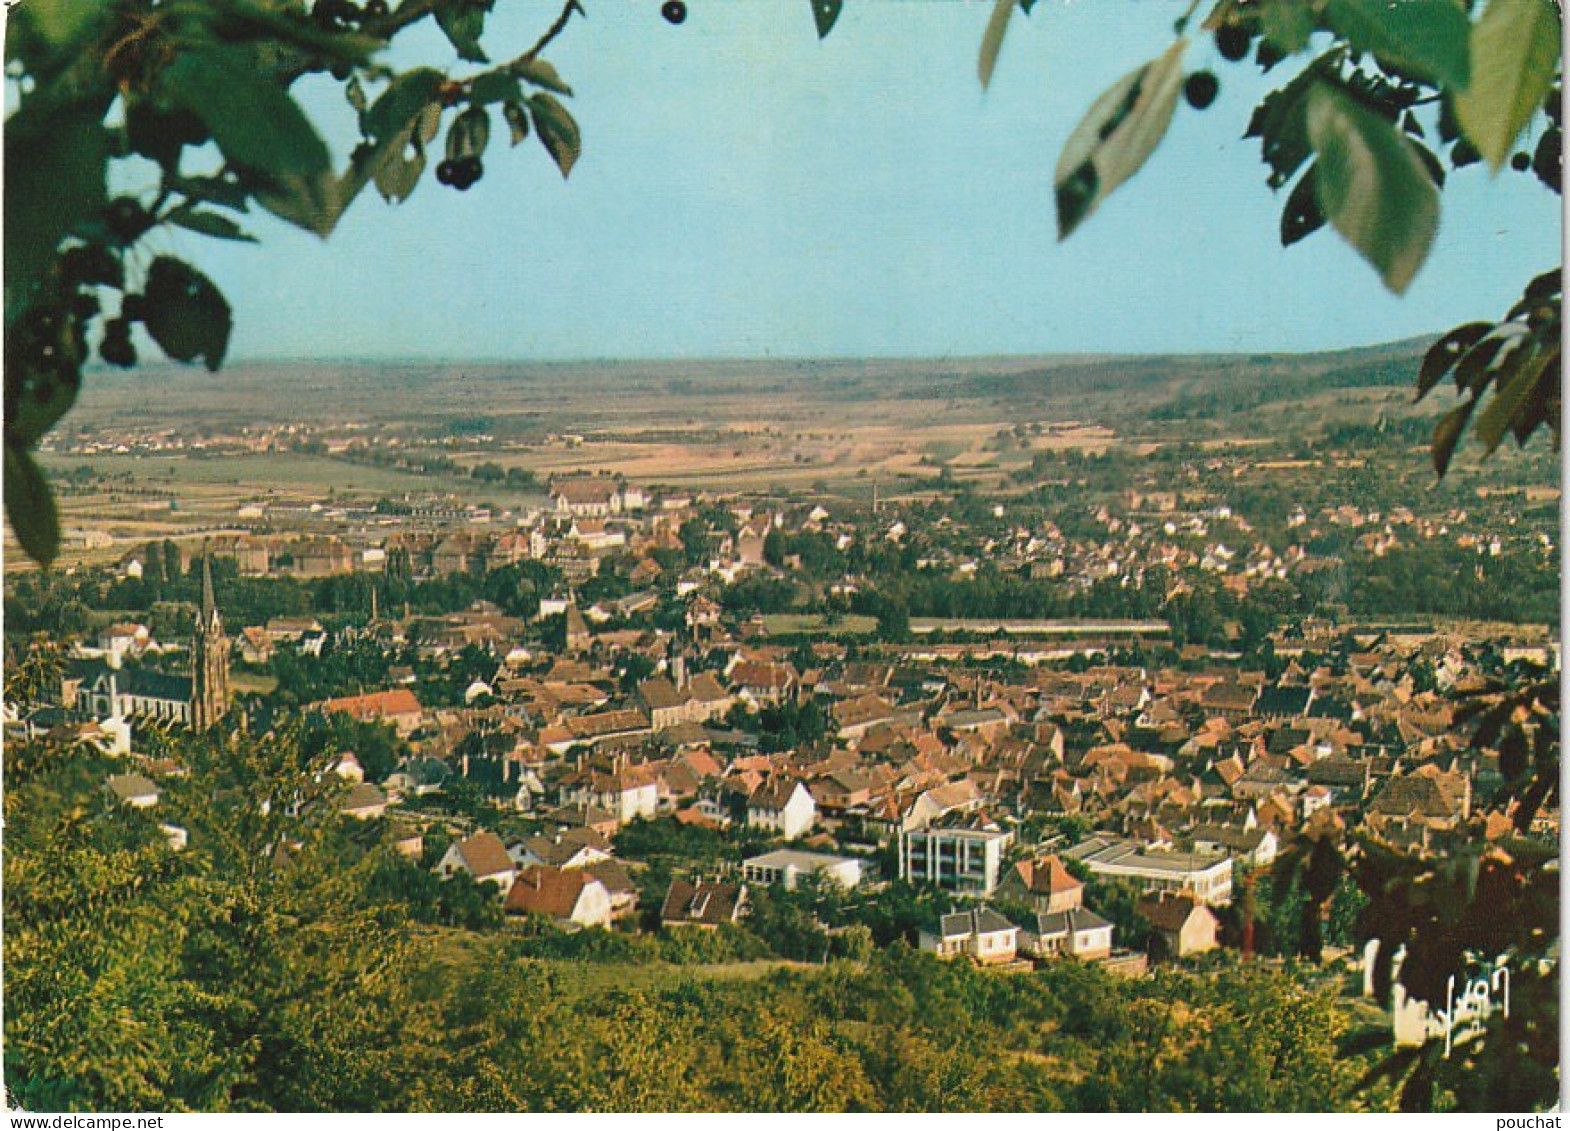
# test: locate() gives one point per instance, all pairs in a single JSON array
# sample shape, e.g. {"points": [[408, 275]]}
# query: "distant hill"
{"points": [[578, 393]]}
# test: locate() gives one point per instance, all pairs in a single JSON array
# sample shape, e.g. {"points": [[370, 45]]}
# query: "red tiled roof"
{"points": [[543, 890], [1046, 876], [376, 704]]}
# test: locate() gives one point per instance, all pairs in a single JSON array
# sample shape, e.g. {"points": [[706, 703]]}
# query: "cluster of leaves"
{"points": [[1518, 358], [201, 92], [1350, 128]]}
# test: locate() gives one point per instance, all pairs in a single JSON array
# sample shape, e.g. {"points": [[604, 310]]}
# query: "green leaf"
{"points": [[33, 417], [824, 14], [1443, 354], [1482, 363], [254, 121], [557, 130], [312, 201], [1301, 216], [395, 164], [427, 124], [185, 313], [398, 105], [1115, 138], [1515, 52], [1513, 396], [538, 72], [55, 162], [1287, 24], [1372, 185], [494, 86], [29, 506], [162, 135], [463, 22], [59, 22], [1428, 38], [406, 116], [1280, 123], [354, 92], [517, 120], [992, 39], [44, 350], [1448, 432], [469, 134], [209, 224], [215, 190], [1545, 393], [397, 176], [285, 21]]}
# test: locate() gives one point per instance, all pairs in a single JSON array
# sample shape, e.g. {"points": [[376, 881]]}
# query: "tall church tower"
{"points": [[209, 658]]}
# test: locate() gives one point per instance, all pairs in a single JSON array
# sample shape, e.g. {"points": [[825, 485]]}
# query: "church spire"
{"points": [[209, 656], [209, 606]]}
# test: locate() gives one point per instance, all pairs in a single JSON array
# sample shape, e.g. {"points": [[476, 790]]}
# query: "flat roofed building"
{"points": [[787, 866], [961, 852], [1206, 875]]}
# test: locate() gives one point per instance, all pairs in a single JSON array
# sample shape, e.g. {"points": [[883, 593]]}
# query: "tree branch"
{"points": [[554, 30], [409, 12]]}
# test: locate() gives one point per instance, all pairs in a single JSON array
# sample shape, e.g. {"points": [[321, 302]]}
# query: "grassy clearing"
{"points": [[253, 683], [592, 978], [816, 624]]}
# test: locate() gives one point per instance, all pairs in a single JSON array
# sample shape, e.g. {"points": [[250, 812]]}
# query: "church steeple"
{"points": [[209, 657], [208, 604]]}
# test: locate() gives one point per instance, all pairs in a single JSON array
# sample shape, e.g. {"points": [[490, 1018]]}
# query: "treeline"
{"points": [[65, 605], [1435, 578]]}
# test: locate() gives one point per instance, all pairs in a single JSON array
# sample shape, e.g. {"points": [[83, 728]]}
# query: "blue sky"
{"points": [[747, 191]]}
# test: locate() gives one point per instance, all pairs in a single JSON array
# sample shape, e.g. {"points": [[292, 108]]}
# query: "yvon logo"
{"points": [[1470, 1000]]}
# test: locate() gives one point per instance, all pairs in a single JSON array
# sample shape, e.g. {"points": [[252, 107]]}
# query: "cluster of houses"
{"points": [[962, 775]]}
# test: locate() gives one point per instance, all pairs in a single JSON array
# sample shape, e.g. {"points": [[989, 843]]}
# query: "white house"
{"points": [[570, 896], [1208, 876], [1078, 932], [787, 866], [979, 933], [482, 856], [783, 806], [627, 794]]}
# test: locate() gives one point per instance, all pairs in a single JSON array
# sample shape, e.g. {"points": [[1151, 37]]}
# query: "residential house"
{"points": [[1076, 932], [618, 885], [591, 497], [783, 806], [571, 897], [1180, 924], [482, 856], [1208, 876], [363, 802], [1043, 883], [979, 933], [134, 790], [703, 903], [398, 707], [627, 793], [580, 847], [1253, 847]]}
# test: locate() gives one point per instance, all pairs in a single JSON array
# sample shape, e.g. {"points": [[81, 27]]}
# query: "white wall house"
{"points": [[782, 806]]}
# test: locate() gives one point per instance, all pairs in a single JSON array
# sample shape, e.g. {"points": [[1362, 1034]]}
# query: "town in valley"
{"points": [[1023, 664]]}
